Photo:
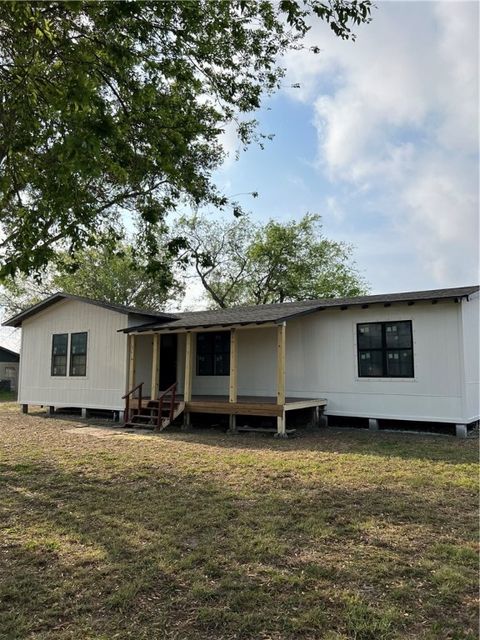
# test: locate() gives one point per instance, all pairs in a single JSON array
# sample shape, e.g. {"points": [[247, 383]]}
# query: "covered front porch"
{"points": [[256, 352]]}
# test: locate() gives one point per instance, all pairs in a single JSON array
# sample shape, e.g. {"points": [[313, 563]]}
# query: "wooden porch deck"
{"points": [[245, 405], [249, 405]]}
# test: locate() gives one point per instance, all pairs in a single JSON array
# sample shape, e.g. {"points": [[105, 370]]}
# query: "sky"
{"points": [[382, 140]]}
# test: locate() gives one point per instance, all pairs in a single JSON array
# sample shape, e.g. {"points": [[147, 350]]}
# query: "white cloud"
{"points": [[335, 209], [10, 338], [230, 143], [397, 119]]}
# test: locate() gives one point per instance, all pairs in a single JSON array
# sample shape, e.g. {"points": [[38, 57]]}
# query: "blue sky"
{"points": [[381, 140]]}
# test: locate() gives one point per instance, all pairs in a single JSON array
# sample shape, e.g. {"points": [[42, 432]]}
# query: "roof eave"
{"points": [[345, 305], [139, 329], [17, 320]]}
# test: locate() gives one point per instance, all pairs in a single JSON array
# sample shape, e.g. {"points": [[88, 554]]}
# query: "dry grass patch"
{"points": [[335, 536]]}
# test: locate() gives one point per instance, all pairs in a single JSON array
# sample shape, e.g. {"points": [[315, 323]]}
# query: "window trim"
{"points": [[58, 375], [70, 355], [383, 350], [213, 374]]}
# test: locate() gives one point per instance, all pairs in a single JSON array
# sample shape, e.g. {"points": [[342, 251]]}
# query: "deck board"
{"points": [[246, 405]]}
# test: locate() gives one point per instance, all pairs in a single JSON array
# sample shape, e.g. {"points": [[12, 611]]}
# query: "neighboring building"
{"points": [[403, 356], [9, 363]]}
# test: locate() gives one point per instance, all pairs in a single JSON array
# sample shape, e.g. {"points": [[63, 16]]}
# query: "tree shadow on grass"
{"points": [[406, 446], [348, 441], [155, 552]]}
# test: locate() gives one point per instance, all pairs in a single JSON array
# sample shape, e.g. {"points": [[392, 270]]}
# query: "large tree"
{"points": [[120, 276], [115, 107], [240, 262]]}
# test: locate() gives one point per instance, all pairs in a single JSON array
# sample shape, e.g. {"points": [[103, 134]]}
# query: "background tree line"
{"points": [[237, 262]]}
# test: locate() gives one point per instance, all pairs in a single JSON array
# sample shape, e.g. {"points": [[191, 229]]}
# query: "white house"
{"points": [[404, 356]]}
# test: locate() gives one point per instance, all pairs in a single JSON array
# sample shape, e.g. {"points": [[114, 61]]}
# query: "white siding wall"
{"points": [[257, 362], [322, 362], [143, 362], [105, 381], [470, 329], [180, 362]]}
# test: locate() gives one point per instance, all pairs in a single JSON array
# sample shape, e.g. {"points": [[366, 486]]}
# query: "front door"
{"points": [[168, 360]]}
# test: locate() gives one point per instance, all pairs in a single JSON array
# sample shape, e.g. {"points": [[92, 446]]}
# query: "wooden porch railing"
{"points": [[171, 391], [127, 397]]}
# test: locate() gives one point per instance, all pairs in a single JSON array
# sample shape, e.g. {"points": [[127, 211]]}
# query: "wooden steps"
{"points": [[156, 414], [147, 418]]}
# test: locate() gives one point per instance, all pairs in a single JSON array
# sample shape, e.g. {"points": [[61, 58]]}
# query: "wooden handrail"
{"points": [[126, 397], [129, 393], [171, 389]]}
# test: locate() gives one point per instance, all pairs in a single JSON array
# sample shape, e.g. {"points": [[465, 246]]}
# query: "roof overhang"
{"points": [[16, 320], [342, 304], [382, 301], [176, 323], [200, 328]]}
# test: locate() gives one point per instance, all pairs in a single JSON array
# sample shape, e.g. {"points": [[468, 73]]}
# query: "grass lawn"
{"points": [[337, 535]]}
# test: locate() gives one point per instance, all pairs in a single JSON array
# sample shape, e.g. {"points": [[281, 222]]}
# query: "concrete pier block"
{"points": [[232, 424], [461, 430], [373, 424], [323, 421], [186, 421]]}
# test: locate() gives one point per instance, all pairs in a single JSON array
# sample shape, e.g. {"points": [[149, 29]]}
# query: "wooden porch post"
{"points": [[131, 363], [155, 365], [281, 363], [187, 385], [232, 387], [281, 331]]}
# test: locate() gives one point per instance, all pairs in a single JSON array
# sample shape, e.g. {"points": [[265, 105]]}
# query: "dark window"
{"points": [[59, 354], [78, 354], [385, 350], [213, 354]]}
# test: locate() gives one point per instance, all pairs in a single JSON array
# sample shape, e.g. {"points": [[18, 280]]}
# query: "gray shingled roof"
{"points": [[16, 321], [13, 354], [261, 314]]}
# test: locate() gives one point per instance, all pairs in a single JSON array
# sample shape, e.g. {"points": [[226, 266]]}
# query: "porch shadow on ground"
{"points": [[362, 442]]}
